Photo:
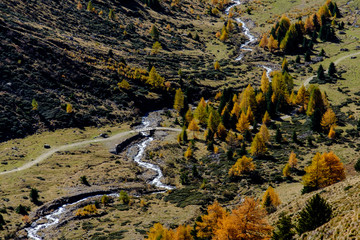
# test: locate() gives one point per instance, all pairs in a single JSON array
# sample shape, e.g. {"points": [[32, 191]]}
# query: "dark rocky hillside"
{"points": [[58, 53]]}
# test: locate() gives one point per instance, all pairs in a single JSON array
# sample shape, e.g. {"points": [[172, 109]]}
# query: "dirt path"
{"points": [[307, 81], [47, 154]]}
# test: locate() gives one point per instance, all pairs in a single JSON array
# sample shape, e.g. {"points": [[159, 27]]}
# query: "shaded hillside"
{"points": [[58, 53]]}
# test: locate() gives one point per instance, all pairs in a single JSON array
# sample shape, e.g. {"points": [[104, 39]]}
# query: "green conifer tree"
{"points": [[284, 229], [316, 212]]}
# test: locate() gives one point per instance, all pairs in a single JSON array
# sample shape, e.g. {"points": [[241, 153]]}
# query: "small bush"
{"points": [[357, 165]]}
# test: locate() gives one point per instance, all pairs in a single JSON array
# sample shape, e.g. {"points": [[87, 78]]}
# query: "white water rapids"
{"points": [[54, 217]]}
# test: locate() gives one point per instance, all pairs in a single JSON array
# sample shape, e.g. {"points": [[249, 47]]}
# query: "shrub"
{"points": [[357, 165], [87, 210], [23, 210], [34, 195], [124, 197], [84, 180]]}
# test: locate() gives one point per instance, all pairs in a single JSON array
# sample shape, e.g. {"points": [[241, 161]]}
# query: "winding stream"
{"points": [[251, 38], [54, 218]]}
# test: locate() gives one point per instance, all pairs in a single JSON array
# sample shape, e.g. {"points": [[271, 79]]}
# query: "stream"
{"points": [[54, 218], [251, 38]]}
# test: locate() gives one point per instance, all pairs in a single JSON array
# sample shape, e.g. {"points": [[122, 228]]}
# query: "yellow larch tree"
{"points": [[193, 127], [236, 109], [286, 171], [243, 123], [179, 100], [265, 83], [189, 115], [242, 165], [302, 97], [292, 160], [272, 44], [264, 41], [324, 170], [154, 79], [208, 225], [200, 111], [221, 132], [328, 119], [258, 146], [183, 232], [246, 222], [332, 133], [264, 133], [247, 99], [69, 108], [250, 115], [270, 200], [217, 65], [159, 232], [266, 119], [189, 153], [335, 171]]}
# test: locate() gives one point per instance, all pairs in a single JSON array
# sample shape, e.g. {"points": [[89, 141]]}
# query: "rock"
{"points": [[353, 57], [104, 135], [47, 146], [344, 49], [342, 32]]}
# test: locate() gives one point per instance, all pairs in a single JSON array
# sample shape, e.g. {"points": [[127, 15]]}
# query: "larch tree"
{"points": [[272, 44], [221, 132], [335, 171], [246, 222], [302, 97], [124, 85], [247, 99], [286, 171], [292, 160], [266, 118], [258, 146], [200, 111], [332, 132], [242, 165], [265, 83], [250, 115], [34, 105], [183, 232], [209, 221], [324, 170], [264, 41], [189, 116], [154, 79], [179, 100], [217, 66], [243, 123], [69, 108], [264, 133], [188, 153], [156, 48], [193, 127], [154, 33], [158, 232], [89, 6], [236, 110], [270, 199], [111, 14], [328, 119]]}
